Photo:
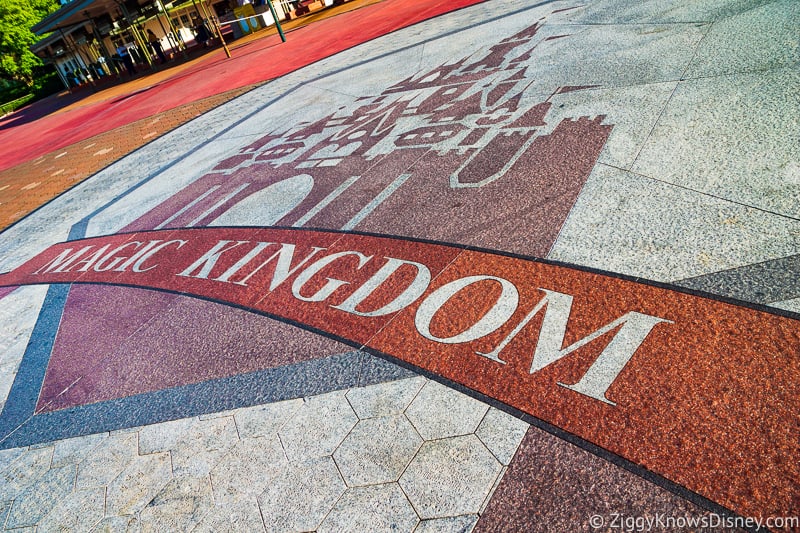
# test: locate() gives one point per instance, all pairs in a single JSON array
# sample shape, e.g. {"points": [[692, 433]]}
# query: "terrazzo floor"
{"points": [[519, 267]]}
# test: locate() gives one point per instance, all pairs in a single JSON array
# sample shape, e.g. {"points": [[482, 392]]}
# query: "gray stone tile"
{"points": [[438, 412], [501, 433], [377, 450], [5, 507], [632, 111], [138, 484], [734, 137], [788, 305], [80, 511], [24, 472], [179, 506], [8, 456], [456, 524], [621, 11], [771, 281], [106, 461], [375, 508], [375, 370], [450, 477], [118, 524], [264, 420], [75, 450], [202, 447], [318, 427], [491, 492], [237, 517], [385, 398], [762, 38], [301, 496], [247, 470], [629, 224], [164, 436], [41, 497], [612, 55]]}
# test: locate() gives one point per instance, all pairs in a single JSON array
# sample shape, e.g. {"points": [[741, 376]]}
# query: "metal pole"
{"points": [[277, 22], [103, 50], [221, 38], [174, 31]]}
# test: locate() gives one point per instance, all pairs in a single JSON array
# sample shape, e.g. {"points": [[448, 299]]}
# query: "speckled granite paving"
{"points": [[519, 268]]}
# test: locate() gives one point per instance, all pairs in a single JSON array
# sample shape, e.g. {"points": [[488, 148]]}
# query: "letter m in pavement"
{"points": [[633, 329]]}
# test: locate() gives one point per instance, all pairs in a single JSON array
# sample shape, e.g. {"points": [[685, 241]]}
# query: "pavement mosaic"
{"points": [[519, 268]]}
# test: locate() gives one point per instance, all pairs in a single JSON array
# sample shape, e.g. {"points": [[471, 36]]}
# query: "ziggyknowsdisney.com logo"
{"points": [[662, 522]]}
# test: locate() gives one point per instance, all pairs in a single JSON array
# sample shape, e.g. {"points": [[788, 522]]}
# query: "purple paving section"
{"points": [[182, 340], [552, 485]]}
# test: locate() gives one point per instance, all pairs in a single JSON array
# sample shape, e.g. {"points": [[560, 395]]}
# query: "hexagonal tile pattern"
{"points": [[33, 504], [318, 427], [384, 399], [439, 412], [24, 471], [73, 451], [456, 524], [373, 508], [300, 497], [377, 450], [262, 420], [106, 461], [243, 515], [246, 471], [138, 484], [79, 511], [205, 443], [179, 506], [450, 477], [501, 433]]}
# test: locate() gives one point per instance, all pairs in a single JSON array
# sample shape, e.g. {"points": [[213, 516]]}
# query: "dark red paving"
{"points": [[708, 400], [260, 61]]}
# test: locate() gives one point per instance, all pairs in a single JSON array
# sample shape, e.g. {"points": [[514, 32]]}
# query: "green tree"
{"points": [[16, 19]]}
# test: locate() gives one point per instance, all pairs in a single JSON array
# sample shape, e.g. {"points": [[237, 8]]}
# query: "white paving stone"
{"points": [[377, 450], [237, 517], [106, 461], [138, 484], [384, 399], [179, 506], [264, 420], [301, 496], [501, 433], [456, 524], [732, 137], [80, 511], [318, 427], [8, 456], [118, 524], [75, 450], [247, 470], [33, 504], [203, 446], [24, 471], [450, 477], [374, 508], [164, 436], [439, 412]]}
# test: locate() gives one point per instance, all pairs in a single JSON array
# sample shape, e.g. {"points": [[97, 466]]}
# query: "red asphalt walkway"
{"points": [[259, 61]]}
